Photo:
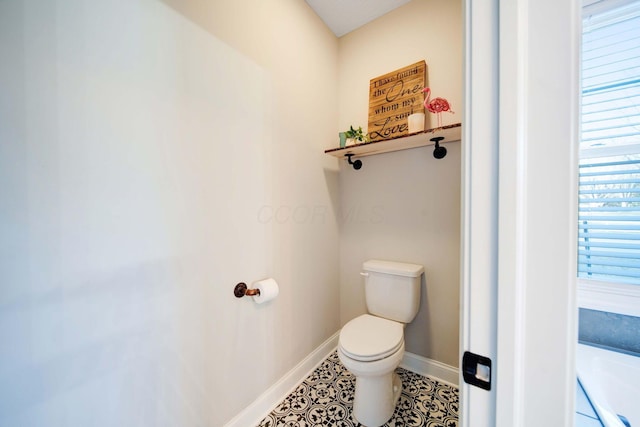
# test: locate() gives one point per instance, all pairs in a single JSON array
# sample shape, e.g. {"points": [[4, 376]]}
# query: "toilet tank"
{"points": [[392, 289]]}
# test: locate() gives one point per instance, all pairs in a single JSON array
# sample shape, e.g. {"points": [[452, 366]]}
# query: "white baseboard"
{"points": [[432, 368], [264, 404]]}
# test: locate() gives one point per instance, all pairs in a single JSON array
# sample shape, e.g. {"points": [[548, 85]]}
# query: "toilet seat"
{"points": [[367, 338]]}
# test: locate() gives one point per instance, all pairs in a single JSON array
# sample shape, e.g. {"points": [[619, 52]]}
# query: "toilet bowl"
{"points": [[371, 348]]}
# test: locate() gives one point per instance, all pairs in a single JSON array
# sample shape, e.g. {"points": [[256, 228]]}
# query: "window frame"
{"points": [[619, 298], [612, 297]]}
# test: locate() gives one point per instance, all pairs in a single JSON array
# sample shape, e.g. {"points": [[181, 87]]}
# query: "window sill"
{"points": [[610, 297]]}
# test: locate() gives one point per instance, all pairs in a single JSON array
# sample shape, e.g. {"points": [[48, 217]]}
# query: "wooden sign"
{"points": [[392, 98]]}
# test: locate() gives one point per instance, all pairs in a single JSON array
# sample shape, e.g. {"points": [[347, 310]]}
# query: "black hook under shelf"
{"points": [[357, 164], [439, 152]]}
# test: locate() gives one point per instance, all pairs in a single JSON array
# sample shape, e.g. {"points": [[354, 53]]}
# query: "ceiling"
{"points": [[344, 16]]}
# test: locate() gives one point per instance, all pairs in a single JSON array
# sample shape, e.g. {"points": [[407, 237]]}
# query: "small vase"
{"points": [[350, 141], [343, 139]]}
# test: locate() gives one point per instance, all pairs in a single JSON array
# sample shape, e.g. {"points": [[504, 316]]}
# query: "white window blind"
{"points": [[609, 193]]}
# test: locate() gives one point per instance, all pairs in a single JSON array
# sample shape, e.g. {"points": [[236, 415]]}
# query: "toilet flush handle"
{"points": [[362, 273]]}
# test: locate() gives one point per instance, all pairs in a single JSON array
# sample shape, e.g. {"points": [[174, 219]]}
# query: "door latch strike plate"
{"points": [[476, 370]]}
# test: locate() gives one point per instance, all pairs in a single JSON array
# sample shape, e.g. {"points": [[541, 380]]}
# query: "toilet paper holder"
{"points": [[241, 290]]}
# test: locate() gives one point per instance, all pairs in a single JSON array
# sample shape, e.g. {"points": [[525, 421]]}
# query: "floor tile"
{"points": [[325, 398]]}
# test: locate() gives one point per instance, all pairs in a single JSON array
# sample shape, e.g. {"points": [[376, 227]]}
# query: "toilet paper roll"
{"points": [[268, 290]]}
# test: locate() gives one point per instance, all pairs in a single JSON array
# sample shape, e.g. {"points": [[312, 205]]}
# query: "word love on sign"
{"points": [[392, 98]]}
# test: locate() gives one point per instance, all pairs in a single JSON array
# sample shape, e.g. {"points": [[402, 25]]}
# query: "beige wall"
{"points": [[422, 29], [152, 158], [405, 206]]}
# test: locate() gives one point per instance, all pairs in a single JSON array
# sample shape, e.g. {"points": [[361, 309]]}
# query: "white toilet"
{"points": [[372, 345]]}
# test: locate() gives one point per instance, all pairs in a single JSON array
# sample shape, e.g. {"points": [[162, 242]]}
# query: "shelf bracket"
{"points": [[439, 152], [356, 165]]}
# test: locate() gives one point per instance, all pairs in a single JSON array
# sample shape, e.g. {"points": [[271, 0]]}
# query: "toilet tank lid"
{"points": [[392, 267]]}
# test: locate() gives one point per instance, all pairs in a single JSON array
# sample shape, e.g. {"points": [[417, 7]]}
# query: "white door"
{"points": [[518, 296]]}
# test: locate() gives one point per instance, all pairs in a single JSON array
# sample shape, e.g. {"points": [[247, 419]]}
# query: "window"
{"points": [[609, 183]]}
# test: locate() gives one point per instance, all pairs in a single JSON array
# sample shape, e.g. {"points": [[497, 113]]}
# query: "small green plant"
{"points": [[357, 134]]}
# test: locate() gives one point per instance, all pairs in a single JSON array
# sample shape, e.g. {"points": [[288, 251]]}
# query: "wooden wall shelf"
{"points": [[450, 133]]}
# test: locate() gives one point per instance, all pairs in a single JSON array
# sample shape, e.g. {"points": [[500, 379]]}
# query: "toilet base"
{"points": [[378, 387], [384, 391]]}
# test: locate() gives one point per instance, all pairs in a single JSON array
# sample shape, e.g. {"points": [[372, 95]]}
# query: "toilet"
{"points": [[371, 346]]}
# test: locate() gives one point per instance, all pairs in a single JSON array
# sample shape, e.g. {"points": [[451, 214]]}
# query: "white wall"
{"points": [[405, 206], [146, 167]]}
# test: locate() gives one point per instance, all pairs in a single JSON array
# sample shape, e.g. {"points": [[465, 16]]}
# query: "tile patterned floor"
{"points": [[325, 398]]}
